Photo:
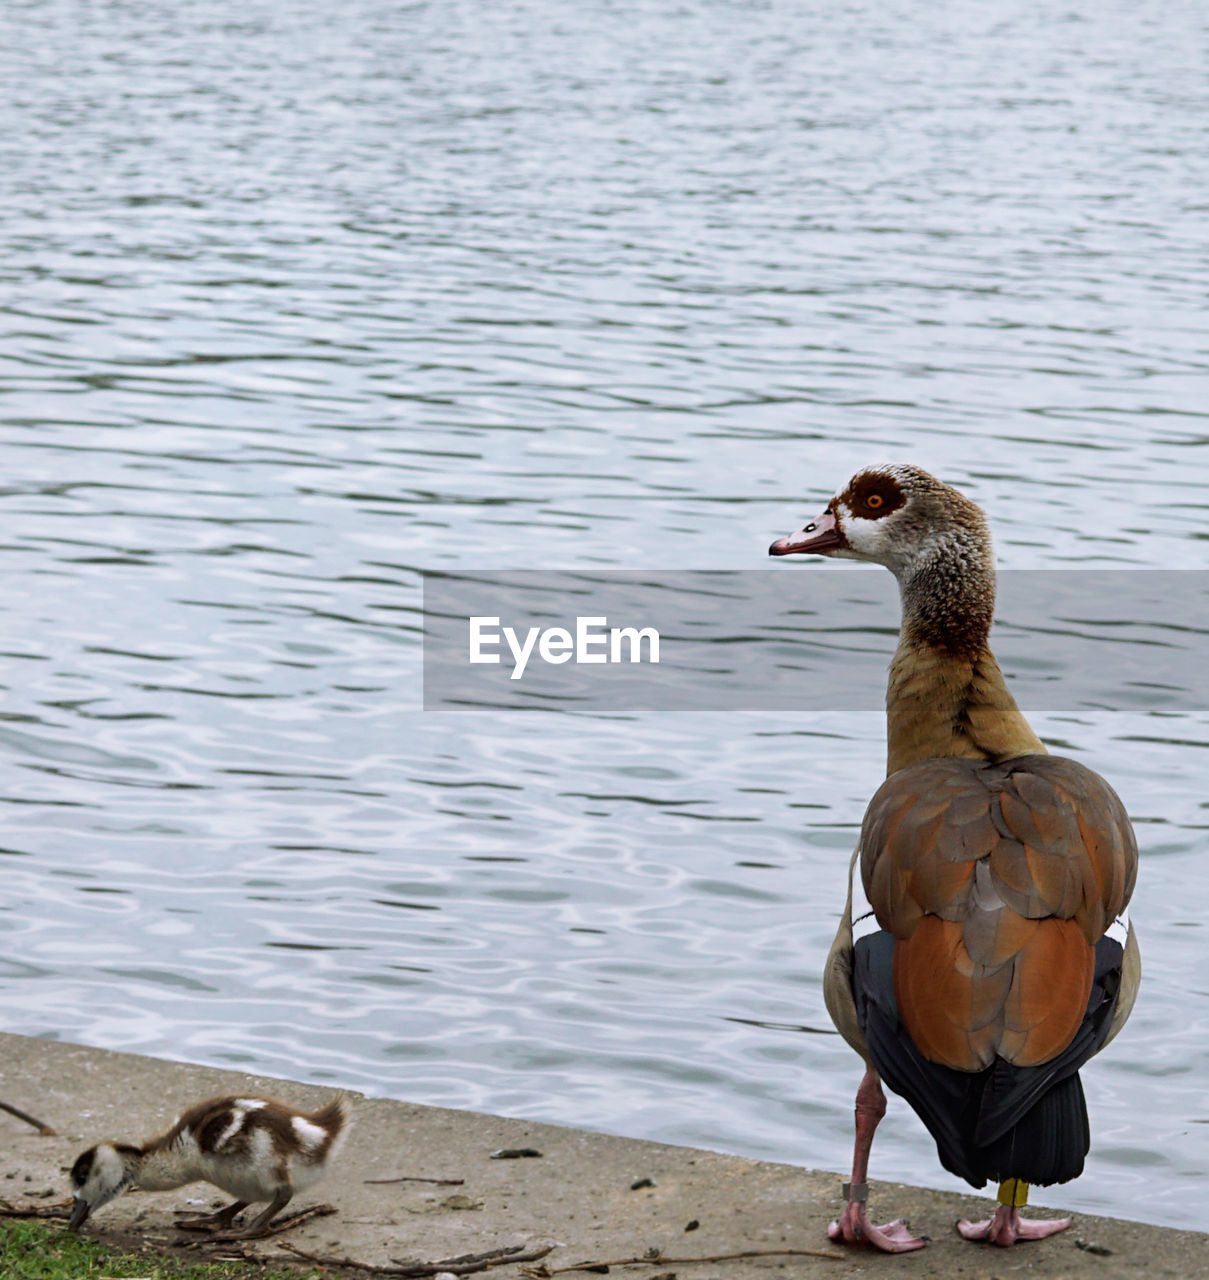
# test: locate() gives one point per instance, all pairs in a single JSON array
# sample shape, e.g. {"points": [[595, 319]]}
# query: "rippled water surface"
{"points": [[300, 300]]}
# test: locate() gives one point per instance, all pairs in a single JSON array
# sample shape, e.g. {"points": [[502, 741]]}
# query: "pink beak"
{"points": [[818, 537]]}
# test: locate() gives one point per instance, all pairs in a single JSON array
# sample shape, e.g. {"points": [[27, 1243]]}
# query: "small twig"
{"points": [[55, 1210], [660, 1259], [44, 1129], [44, 1211], [466, 1265], [493, 1256], [288, 1223], [440, 1182], [337, 1262]]}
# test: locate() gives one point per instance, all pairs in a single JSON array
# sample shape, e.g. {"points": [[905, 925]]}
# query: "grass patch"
{"points": [[32, 1250]]}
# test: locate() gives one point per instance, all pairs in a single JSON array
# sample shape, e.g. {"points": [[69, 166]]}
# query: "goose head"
{"points": [[933, 539], [100, 1175], [895, 515]]}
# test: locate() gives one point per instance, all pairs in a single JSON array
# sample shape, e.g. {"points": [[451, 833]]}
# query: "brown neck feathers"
{"points": [[941, 705], [946, 694]]}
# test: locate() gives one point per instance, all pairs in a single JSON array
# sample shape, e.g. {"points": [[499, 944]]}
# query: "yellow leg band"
{"points": [[1013, 1192]]}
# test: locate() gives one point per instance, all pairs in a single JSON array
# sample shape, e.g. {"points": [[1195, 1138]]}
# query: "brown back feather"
{"points": [[997, 880]]}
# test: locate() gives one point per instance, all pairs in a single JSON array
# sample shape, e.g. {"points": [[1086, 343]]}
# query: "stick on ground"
{"points": [[56, 1209], [660, 1259], [467, 1264], [44, 1129], [439, 1182]]}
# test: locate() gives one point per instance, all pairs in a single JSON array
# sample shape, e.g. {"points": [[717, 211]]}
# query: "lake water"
{"points": [[302, 300]]}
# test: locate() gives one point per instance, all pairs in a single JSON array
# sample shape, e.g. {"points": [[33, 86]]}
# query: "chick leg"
{"points": [[259, 1225], [212, 1221]]}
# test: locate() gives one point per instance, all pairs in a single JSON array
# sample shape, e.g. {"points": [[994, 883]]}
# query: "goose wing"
{"points": [[996, 882]]}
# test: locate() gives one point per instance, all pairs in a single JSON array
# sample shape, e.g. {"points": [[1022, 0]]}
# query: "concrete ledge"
{"points": [[577, 1194]]}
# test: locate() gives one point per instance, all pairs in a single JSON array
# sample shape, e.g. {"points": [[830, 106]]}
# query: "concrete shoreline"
{"points": [[579, 1195]]}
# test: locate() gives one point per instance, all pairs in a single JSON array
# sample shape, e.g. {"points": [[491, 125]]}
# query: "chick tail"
{"points": [[336, 1117]]}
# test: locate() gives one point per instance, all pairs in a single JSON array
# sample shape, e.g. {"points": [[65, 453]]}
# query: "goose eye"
{"points": [[874, 501]]}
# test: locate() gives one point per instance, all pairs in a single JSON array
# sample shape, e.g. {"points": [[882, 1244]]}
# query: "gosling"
{"points": [[255, 1149]]}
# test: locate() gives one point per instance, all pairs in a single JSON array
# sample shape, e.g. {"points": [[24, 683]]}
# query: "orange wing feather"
{"points": [[1048, 996], [996, 880]]}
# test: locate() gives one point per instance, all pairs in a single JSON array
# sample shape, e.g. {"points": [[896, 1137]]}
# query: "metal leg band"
{"points": [[855, 1191]]}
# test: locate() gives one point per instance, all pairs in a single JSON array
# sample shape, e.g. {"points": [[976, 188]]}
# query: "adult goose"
{"points": [[997, 961]]}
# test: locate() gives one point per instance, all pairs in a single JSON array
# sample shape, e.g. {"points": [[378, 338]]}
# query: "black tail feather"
{"points": [[1049, 1142], [1001, 1122]]}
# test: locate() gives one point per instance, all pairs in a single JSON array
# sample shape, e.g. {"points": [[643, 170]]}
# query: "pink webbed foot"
{"points": [[1007, 1226], [853, 1227]]}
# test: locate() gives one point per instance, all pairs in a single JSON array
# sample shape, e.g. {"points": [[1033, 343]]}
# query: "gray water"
{"points": [[300, 300]]}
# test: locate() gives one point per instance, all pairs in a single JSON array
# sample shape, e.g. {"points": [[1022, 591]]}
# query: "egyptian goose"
{"points": [[253, 1148], [998, 875]]}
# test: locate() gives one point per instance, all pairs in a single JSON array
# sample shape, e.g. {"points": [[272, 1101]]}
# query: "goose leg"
{"points": [[853, 1225]]}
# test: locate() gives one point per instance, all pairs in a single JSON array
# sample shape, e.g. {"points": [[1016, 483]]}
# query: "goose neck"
{"points": [[946, 695], [948, 601]]}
